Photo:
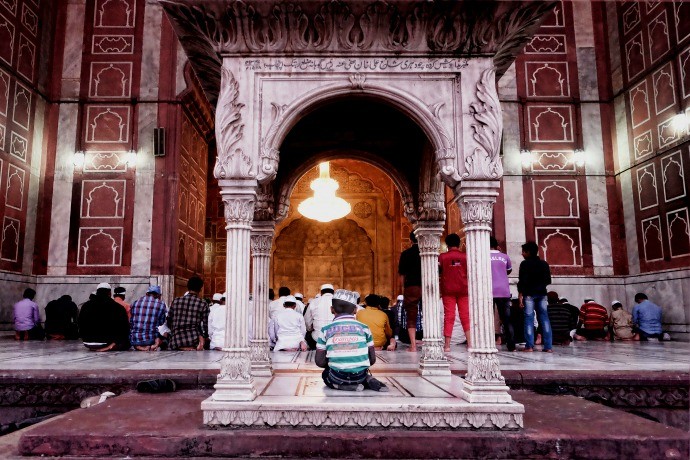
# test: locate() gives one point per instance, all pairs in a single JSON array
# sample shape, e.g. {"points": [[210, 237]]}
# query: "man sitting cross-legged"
{"points": [[345, 348], [287, 329], [147, 315], [377, 322]]}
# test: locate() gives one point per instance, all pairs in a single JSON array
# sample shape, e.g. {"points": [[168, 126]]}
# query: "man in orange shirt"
{"points": [[453, 282], [378, 323]]}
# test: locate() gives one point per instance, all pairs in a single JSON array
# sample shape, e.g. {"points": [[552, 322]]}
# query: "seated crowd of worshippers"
{"points": [[107, 322]]}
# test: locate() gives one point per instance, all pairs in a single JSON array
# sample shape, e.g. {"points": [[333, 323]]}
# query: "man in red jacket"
{"points": [[593, 321], [453, 283]]}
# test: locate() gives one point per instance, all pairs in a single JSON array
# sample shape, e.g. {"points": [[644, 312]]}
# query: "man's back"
{"points": [[647, 316], [102, 320], [410, 266], [593, 315], [347, 343], [25, 315], [147, 314], [562, 319], [534, 275], [319, 314], [61, 317], [453, 272], [500, 266], [187, 319], [377, 322]]}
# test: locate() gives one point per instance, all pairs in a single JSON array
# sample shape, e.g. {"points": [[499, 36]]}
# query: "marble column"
{"points": [[483, 382], [433, 361], [235, 381], [262, 241]]}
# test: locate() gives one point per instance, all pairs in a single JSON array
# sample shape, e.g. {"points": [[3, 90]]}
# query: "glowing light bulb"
{"points": [[79, 158], [526, 157]]}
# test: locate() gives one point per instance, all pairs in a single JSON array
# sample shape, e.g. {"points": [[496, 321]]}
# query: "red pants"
{"points": [[449, 302]]}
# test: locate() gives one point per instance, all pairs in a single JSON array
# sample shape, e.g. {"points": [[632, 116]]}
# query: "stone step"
{"points": [[171, 426]]}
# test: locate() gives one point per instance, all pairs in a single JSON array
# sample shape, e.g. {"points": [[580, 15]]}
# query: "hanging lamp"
{"points": [[324, 206]]}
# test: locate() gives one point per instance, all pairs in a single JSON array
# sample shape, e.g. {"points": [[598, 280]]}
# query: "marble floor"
{"points": [[581, 356]]}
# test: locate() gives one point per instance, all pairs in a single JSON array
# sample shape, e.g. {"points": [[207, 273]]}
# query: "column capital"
{"points": [[428, 233], [238, 199], [476, 201], [262, 237]]}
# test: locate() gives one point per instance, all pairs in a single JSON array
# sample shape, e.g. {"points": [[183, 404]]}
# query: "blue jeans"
{"points": [[538, 303]]}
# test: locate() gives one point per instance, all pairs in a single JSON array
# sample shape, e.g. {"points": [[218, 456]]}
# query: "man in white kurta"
{"points": [[277, 305], [287, 328], [319, 312], [216, 322]]}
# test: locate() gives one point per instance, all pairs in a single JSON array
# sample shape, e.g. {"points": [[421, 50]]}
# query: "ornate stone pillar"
{"points": [[433, 361], [484, 382], [262, 241], [235, 381]]}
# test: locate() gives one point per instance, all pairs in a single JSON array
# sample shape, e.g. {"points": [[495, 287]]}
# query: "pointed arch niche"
{"points": [[356, 252]]}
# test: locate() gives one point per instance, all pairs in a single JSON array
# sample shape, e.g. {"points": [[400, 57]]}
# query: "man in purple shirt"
{"points": [[27, 321], [500, 269]]}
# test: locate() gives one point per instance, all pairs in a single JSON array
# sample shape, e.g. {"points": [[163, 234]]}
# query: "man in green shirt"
{"points": [[345, 348]]}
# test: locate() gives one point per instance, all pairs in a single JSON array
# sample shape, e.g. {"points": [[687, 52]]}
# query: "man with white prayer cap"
{"points": [[287, 328], [216, 322], [300, 303], [319, 314]]}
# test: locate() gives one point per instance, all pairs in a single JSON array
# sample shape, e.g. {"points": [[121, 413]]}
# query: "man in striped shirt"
{"points": [[345, 348], [593, 321], [147, 314]]}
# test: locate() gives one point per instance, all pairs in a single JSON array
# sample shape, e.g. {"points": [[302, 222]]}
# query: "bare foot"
{"points": [[446, 349], [528, 350]]}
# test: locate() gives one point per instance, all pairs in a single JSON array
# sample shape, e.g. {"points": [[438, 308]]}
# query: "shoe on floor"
{"points": [[350, 387], [376, 385], [156, 386]]}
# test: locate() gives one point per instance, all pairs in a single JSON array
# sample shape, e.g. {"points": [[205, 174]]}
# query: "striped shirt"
{"points": [[347, 343], [594, 316], [147, 314]]}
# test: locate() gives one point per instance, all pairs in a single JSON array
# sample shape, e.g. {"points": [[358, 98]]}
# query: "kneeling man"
{"points": [[345, 348], [287, 328], [103, 323]]}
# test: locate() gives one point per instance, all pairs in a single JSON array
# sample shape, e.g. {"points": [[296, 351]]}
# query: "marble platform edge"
{"points": [[399, 414]]}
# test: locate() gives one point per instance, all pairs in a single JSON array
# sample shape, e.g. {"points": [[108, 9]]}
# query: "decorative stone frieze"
{"points": [[308, 417], [209, 29]]}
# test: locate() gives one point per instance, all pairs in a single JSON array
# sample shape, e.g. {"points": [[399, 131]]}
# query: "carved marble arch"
{"points": [[425, 116], [400, 182]]}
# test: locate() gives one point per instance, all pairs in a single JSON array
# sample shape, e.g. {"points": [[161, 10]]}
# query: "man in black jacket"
{"points": [[103, 323], [61, 319], [533, 278]]}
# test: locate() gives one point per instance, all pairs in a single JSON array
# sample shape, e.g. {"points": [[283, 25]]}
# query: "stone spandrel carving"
{"points": [[207, 29], [232, 161], [484, 161]]}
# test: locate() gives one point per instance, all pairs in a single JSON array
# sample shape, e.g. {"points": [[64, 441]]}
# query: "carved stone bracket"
{"points": [[484, 162], [232, 161], [432, 207]]}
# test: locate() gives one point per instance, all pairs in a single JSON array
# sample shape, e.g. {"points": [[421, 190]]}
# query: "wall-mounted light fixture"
{"points": [[526, 158], [131, 158], [78, 158], [681, 123], [579, 157]]}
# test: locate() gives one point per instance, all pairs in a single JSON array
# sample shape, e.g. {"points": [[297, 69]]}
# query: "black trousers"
{"points": [[503, 306]]}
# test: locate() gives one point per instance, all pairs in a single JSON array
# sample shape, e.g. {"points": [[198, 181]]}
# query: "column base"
{"points": [[433, 362], [261, 358], [489, 392], [235, 381]]}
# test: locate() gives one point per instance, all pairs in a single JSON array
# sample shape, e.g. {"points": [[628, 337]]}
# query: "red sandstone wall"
{"points": [[20, 46], [655, 57], [555, 192]]}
